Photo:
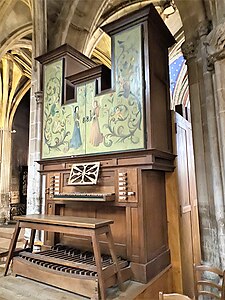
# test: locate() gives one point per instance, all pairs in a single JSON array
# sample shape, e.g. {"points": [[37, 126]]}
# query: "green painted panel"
{"points": [[63, 133], [97, 124], [118, 121]]}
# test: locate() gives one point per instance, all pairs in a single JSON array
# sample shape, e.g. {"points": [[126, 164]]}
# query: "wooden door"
{"points": [[189, 228]]}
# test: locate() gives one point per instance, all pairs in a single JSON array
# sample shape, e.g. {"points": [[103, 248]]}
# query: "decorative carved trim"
{"points": [[84, 174], [215, 44], [189, 49], [39, 97]]}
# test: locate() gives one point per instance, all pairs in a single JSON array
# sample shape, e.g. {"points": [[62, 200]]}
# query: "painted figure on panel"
{"points": [[96, 137], [76, 141]]}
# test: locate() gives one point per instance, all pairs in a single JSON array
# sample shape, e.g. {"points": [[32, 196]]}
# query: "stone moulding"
{"points": [[189, 49], [215, 43]]}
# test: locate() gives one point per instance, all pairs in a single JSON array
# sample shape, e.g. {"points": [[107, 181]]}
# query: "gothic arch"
{"points": [[17, 38], [18, 98]]}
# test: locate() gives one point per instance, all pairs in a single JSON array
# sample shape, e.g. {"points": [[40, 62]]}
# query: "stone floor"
{"points": [[18, 288], [5, 237]]}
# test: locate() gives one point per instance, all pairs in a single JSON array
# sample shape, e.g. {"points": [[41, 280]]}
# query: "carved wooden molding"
{"points": [[84, 174]]}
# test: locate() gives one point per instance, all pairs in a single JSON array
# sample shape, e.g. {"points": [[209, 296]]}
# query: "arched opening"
{"points": [[19, 157]]}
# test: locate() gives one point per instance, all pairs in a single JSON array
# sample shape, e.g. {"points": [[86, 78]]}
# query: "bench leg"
{"points": [[97, 254], [12, 247], [32, 237], [113, 254]]}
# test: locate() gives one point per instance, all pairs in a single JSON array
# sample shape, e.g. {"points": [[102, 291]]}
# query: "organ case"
{"points": [[125, 127]]}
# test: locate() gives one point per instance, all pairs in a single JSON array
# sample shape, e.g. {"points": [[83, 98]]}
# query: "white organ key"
{"points": [[122, 179], [122, 174], [122, 198], [122, 193], [122, 188]]}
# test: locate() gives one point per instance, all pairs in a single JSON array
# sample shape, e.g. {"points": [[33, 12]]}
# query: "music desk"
{"points": [[89, 227]]}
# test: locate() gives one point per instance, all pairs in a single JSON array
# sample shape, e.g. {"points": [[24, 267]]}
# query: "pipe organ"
{"points": [[106, 142]]}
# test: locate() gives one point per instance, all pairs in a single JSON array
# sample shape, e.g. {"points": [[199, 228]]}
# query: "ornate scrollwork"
{"points": [[124, 111], [84, 174]]}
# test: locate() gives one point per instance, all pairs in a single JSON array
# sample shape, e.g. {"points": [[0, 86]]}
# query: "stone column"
{"points": [[203, 129], [215, 44], [207, 96], [34, 196], [217, 8], [214, 169], [5, 172]]}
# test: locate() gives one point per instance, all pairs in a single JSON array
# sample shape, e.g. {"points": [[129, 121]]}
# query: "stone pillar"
{"points": [[34, 195], [215, 44], [213, 254], [203, 145], [218, 9], [208, 123], [5, 172]]}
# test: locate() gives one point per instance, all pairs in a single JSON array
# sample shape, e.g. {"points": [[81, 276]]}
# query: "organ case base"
{"points": [[61, 267], [139, 214]]}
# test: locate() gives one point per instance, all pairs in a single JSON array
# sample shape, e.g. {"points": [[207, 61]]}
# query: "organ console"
{"points": [[86, 196], [124, 127]]}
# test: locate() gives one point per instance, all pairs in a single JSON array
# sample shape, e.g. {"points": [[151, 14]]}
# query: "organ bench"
{"points": [[87, 227]]}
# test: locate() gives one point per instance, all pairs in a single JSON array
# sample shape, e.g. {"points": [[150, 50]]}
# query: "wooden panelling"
{"points": [[94, 210], [140, 226], [173, 215], [154, 210], [183, 225], [162, 282]]}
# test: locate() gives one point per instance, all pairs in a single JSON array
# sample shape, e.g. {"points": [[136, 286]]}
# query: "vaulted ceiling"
{"points": [[76, 22]]}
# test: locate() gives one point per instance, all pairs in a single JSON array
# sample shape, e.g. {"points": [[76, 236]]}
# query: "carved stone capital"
{"points": [[39, 97], [203, 28], [210, 64], [215, 43], [189, 49]]}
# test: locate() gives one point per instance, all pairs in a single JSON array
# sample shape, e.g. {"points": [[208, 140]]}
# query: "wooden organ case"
{"points": [[119, 125]]}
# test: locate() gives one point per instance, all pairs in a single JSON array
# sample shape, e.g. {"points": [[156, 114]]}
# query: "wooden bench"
{"points": [[88, 227]]}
